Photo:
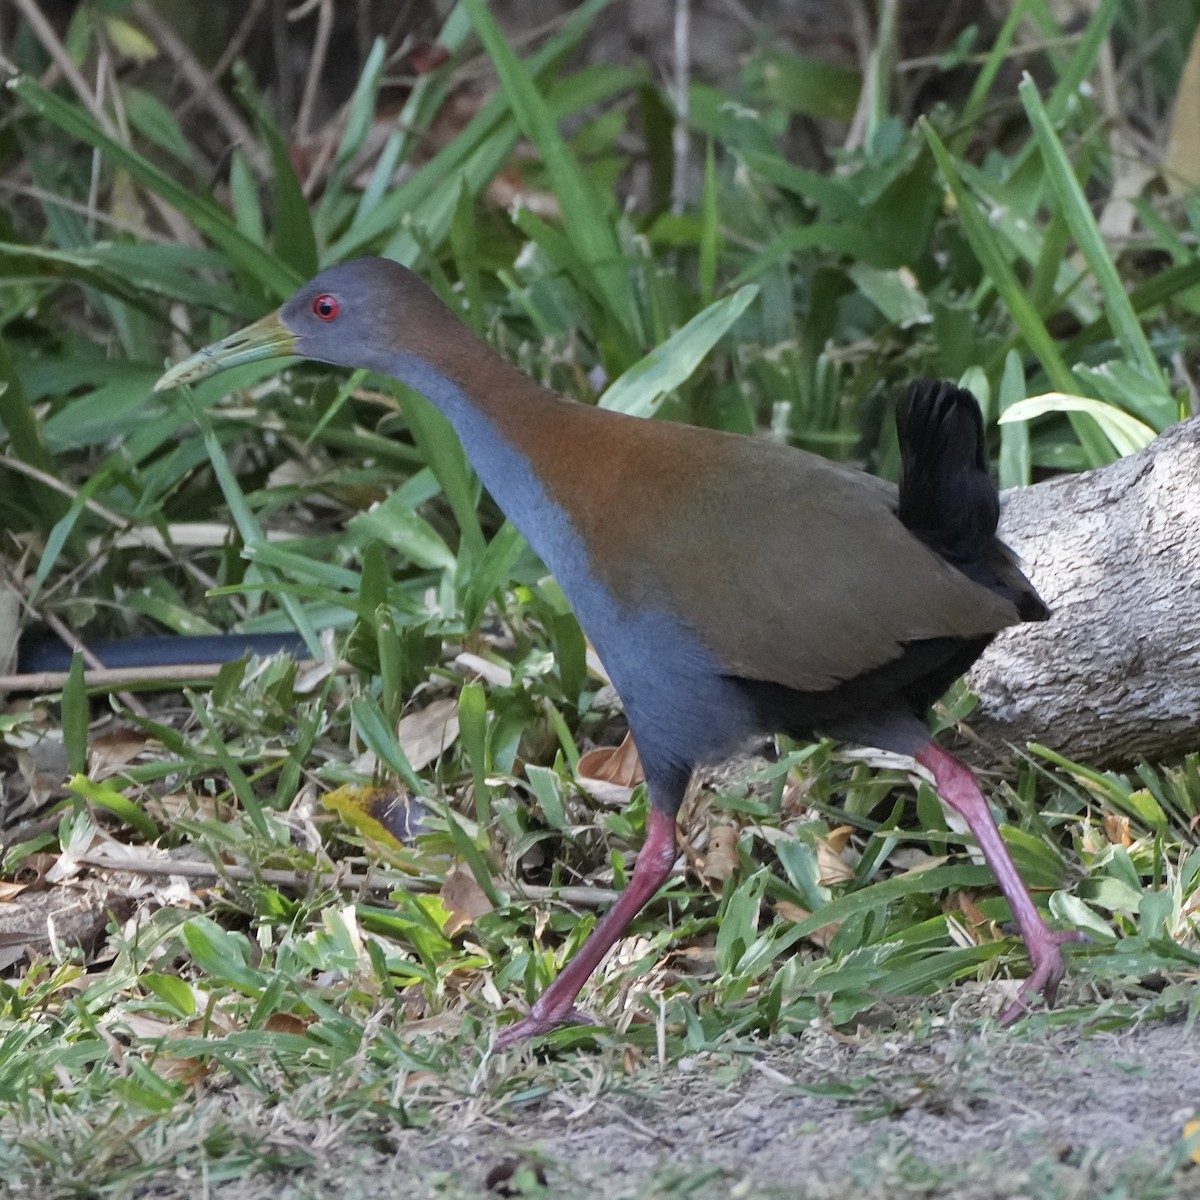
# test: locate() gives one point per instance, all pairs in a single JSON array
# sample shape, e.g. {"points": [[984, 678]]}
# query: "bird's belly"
{"points": [[682, 709]]}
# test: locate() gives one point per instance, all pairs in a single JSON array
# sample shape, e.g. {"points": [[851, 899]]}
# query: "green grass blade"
{"points": [[478, 152], [639, 390], [1127, 434], [1073, 205], [710, 229], [210, 219], [379, 736], [248, 526], [75, 716], [586, 217], [999, 271], [242, 787], [1016, 463], [359, 117], [293, 238], [982, 87], [18, 420]]}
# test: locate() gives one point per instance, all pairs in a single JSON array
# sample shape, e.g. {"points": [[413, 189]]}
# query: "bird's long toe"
{"points": [[1049, 967], [538, 1023]]}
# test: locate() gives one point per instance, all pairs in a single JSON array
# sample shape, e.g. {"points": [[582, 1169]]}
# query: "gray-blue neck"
{"points": [[652, 660]]}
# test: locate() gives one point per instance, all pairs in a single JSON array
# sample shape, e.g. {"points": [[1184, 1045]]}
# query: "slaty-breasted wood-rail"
{"points": [[732, 586]]}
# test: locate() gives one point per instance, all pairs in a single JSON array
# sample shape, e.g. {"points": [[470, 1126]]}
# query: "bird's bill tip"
{"points": [[268, 338]]}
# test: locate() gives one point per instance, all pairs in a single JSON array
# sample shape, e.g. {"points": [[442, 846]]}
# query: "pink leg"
{"points": [[556, 1005], [957, 787]]}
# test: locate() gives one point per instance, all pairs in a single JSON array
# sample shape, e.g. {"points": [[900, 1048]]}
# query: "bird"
{"points": [[734, 587]]}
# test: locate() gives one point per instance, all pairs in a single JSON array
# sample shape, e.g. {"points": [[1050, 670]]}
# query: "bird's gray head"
{"points": [[358, 314]]}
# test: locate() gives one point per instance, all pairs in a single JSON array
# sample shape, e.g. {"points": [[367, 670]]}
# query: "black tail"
{"points": [[947, 497]]}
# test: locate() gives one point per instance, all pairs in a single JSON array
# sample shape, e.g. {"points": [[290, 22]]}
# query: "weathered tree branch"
{"points": [[1114, 675]]}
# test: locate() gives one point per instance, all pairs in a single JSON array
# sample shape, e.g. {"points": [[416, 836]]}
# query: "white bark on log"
{"points": [[1114, 675]]}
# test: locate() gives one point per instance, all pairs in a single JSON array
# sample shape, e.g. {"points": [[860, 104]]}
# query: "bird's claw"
{"points": [[538, 1023], [1046, 958]]}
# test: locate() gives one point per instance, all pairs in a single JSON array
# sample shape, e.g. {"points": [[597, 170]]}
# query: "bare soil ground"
{"points": [[1042, 1111]]}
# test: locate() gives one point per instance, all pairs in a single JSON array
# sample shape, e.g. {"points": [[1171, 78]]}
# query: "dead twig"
{"points": [[371, 881], [202, 84]]}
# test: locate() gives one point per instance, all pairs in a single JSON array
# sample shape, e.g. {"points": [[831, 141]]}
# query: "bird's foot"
{"points": [[1046, 958], [538, 1023]]}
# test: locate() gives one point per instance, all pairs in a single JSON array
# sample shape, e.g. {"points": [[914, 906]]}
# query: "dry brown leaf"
{"points": [[190, 1071], [613, 764], [426, 735], [794, 802], [964, 903], [795, 914], [918, 862], [721, 860], [166, 809], [288, 1023], [610, 773], [695, 959], [831, 866], [32, 871], [1116, 829], [510, 188], [9, 890], [109, 752], [146, 1027], [464, 899], [839, 838], [44, 766], [1181, 164]]}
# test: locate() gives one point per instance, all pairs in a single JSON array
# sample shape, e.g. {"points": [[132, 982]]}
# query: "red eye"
{"points": [[325, 307]]}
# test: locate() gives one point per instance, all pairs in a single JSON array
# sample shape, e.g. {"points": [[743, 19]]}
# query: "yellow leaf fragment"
{"points": [[385, 815], [1191, 1134]]}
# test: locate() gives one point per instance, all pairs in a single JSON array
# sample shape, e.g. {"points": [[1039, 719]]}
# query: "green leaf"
{"points": [[547, 790], [293, 237], [999, 271], [379, 736], [104, 796], [811, 86], [492, 571], [75, 716], [710, 228], [1127, 434], [1074, 207], [585, 213], [443, 452], [896, 294], [222, 955], [472, 725], [1015, 458], [474, 860], [394, 523], [204, 213], [172, 990], [641, 389]]}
